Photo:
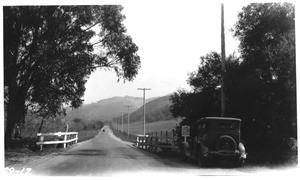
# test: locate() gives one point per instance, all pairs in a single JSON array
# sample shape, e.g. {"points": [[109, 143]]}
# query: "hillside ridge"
{"points": [[106, 109]]}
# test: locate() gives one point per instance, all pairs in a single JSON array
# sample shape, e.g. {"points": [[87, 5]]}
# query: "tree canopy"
{"points": [[260, 86], [50, 51], [204, 99], [267, 35]]}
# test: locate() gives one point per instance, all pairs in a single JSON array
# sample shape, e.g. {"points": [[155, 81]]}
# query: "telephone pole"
{"points": [[114, 123], [222, 62], [122, 123], [144, 108], [117, 121], [128, 115]]}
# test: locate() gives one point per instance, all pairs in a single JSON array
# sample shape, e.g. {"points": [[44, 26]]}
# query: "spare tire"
{"points": [[226, 142]]}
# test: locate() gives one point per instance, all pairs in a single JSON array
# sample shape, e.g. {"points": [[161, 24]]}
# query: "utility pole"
{"points": [[122, 123], [222, 62], [144, 108], [117, 119], [115, 127], [128, 115]]}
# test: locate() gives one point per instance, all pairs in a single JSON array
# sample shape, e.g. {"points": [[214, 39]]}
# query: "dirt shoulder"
{"points": [[20, 157], [24, 158]]}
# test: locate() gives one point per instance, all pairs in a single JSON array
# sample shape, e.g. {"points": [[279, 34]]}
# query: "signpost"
{"points": [[185, 132]]}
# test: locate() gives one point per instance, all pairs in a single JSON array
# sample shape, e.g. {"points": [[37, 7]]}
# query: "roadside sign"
{"points": [[185, 131]]}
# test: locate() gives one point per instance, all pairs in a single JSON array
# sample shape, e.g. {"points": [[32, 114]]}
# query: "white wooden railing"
{"points": [[68, 137], [141, 141]]}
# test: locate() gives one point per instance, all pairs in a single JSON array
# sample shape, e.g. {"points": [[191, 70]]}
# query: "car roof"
{"points": [[217, 118]]}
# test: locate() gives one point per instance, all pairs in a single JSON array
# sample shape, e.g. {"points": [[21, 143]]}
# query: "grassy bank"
{"points": [[87, 134], [124, 136], [137, 127]]}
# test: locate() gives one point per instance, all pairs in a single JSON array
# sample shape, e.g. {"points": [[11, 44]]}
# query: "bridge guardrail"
{"points": [[68, 137]]}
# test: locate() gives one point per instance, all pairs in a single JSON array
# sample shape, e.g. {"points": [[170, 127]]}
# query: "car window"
{"points": [[202, 127], [226, 125]]}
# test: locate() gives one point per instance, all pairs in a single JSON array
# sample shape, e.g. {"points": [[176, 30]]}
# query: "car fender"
{"points": [[242, 150]]}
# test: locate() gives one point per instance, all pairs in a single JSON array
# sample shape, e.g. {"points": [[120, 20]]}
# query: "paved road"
{"points": [[106, 155]]}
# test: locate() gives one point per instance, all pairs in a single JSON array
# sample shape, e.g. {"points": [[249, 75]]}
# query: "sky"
{"points": [[171, 36]]}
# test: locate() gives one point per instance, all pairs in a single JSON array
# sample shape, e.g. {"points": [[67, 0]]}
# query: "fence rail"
{"points": [[68, 137], [154, 141]]}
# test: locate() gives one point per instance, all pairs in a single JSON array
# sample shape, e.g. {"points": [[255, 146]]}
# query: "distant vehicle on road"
{"points": [[215, 138]]}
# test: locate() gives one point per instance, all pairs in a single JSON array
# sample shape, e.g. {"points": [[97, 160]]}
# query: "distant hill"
{"points": [[88, 116], [156, 110], [106, 109]]}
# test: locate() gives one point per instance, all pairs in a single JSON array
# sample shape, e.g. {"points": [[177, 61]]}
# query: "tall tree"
{"points": [[205, 98], [260, 86], [267, 35], [50, 51]]}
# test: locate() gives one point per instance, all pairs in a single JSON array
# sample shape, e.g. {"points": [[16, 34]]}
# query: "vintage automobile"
{"points": [[214, 139]]}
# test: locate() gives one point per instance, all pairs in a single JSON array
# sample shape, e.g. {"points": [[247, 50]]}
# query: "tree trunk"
{"points": [[41, 126], [9, 129], [16, 94], [15, 112]]}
